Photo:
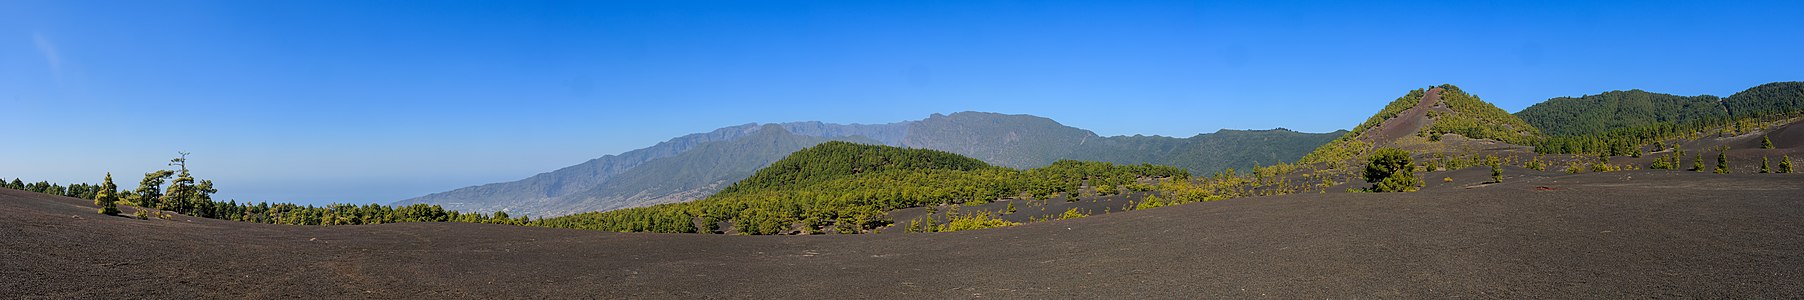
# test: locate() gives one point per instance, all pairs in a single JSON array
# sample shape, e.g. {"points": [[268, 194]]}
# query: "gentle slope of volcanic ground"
{"points": [[1596, 235]]}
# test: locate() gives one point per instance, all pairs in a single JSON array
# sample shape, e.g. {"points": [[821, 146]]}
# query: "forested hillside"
{"points": [[1452, 111], [846, 188], [1475, 118], [1024, 141], [1620, 122], [1776, 100], [837, 159], [1208, 153], [1592, 114], [691, 175]]}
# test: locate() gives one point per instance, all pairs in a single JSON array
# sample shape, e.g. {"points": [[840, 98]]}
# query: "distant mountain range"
{"points": [[696, 165]]}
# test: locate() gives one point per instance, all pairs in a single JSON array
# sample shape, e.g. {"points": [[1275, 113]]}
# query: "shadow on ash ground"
{"points": [[1598, 235]]}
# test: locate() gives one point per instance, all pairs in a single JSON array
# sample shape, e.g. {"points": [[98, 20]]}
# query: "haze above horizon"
{"points": [[369, 102]]}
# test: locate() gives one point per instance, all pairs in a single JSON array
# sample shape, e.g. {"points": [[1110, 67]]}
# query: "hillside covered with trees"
{"points": [[1621, 122], [1475, 118], [1456, 112], [847, 187], [1207, 153], [1592, 114], [689, 175], [1616, 123]]}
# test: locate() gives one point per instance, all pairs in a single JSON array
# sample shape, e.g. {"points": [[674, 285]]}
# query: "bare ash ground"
{"points": [[1631, 234]]}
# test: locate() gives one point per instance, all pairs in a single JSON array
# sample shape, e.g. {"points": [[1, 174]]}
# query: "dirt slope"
{"points": [[1408, 122], [1602, 235]]}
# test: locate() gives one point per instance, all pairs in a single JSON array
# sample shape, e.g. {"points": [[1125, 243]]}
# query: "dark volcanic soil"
{"points": [[1408, 122], [1599, 235]]}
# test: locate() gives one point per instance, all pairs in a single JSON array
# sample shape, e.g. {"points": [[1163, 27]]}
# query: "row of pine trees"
{"points": [[177, 191]]}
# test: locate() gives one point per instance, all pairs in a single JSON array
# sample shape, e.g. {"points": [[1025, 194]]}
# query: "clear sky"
{"points": [[376, 101]]}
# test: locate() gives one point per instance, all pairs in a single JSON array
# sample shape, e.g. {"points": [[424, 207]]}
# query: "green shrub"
{"points": [[1105, 190], [1662, 163], [1391, 170], [1072, 214], [1602, 166], [978, 220], [1150, 202]]}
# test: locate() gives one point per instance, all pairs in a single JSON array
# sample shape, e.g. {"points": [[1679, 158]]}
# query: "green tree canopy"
{"points": [[1392, 170], [150, 190], [105, 197], [1785, 164], [181, 194]]}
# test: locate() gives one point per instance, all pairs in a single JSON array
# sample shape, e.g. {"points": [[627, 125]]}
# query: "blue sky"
{"points": [[375, 101]]}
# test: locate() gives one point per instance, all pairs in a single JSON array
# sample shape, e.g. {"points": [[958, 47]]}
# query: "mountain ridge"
{"points": [[1010, 140]]}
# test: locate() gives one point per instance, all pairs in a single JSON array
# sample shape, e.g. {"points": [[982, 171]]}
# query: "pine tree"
{"points": [[1766, 143], [1722, 163], [1496, 172], [17, 184], [203, 199], [150, 190], [1678, 159], [1697, 163], [108, 202], [181, 194], [1764, 162], [1785, 164]]}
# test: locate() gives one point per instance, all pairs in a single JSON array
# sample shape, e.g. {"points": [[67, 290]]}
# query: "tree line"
{"points": [[835, 186], [178, 191]]}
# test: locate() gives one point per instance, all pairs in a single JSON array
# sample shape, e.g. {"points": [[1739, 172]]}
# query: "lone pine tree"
{"points": [[1722, 163], [108, 202]]}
